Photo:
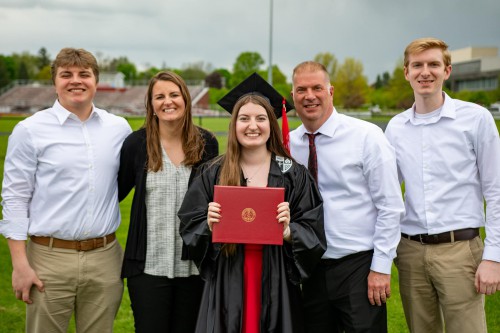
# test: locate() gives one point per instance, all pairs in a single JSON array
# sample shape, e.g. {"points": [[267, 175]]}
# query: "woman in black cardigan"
{"points": [[160, 161]]}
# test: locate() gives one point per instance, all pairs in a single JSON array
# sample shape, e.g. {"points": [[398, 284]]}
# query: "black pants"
{"points": [[336, 297], [165, 305]]}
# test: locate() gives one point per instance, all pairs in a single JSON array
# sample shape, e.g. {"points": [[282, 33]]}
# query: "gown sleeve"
{"points": [[307, 225], [193, 215]]}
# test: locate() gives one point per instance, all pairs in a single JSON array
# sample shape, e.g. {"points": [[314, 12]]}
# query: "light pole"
{"points": [[270, 70]]}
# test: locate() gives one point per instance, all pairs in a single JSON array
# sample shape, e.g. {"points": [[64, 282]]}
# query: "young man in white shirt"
{"points": [[60, 191], [448, 155], [357, 178]]}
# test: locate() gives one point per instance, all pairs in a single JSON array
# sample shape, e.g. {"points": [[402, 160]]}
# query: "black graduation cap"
{"points": [[255, 84]]}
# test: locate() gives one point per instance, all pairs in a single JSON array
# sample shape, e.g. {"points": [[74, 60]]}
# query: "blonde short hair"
{"points": [[424, 44]]}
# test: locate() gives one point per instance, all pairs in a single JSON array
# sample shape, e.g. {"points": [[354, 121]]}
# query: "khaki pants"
{"points": [[86, 283], [437, 286]]}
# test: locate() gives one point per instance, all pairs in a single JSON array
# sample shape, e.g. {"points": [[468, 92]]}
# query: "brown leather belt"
{"points": [[83, 245], [445, 237]]}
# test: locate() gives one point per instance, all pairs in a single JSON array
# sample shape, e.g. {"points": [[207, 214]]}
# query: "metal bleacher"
{"points": [[33, 97]]}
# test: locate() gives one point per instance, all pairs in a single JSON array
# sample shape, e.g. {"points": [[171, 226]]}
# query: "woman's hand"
{"points": [[284, 217], [214, 214]]}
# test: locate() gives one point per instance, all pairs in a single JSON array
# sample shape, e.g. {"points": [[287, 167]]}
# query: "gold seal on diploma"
{"points": [[248, 215]]}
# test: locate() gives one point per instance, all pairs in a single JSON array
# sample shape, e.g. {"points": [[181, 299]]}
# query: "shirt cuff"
{"points": [[491, 253], [381, 265], [16, 229]]}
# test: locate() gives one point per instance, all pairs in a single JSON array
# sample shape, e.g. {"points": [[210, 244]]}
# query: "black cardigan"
{"points": [[132, 173]]}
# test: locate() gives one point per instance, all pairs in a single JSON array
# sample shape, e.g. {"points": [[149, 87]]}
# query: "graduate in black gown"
{"points": [[255, 156]]}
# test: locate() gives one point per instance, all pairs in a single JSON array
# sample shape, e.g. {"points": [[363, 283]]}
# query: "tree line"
{"points": [[352, 90]]}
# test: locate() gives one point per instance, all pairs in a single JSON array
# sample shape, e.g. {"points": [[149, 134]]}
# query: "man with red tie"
{"points": [[355, 169]]}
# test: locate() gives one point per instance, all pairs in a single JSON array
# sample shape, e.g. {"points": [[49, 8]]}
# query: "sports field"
{"points": [[12, 311]]}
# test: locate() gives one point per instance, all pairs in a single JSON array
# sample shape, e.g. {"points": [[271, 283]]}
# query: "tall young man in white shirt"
{"points": [[60, 190], [448, 155], [357, 178]]}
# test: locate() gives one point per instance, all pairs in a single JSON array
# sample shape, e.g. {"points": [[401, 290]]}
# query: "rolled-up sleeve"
{"points": [[18, 184]]}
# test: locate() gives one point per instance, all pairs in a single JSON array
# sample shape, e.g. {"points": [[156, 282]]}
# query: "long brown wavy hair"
{"points": [[230, 173], [192, 141]]}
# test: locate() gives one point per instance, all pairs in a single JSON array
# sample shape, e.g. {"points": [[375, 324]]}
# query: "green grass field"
{"points": [[12, 311]]}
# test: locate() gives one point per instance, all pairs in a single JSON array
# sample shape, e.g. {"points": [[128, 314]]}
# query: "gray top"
{"points": [[165, 192]]}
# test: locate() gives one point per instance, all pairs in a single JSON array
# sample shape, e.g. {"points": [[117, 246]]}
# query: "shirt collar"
{"points": [[328, 128], [447, 110], [63, 114]]}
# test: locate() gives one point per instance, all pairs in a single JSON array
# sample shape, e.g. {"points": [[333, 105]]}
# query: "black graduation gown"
{"points": [[283, 267]]}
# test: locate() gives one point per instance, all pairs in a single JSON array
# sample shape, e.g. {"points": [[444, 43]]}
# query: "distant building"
{"points": [[111, 80], [474, 68]]}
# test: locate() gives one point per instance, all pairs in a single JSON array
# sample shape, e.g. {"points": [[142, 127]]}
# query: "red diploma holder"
{"points": [[248, 215]]}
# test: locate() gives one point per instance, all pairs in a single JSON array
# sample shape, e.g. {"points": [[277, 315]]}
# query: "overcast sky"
{"points": [[177, 33]]}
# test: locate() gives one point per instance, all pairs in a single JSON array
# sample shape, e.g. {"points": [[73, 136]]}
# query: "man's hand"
{"points": [[23, 278], [488, 277], [379, 288]]}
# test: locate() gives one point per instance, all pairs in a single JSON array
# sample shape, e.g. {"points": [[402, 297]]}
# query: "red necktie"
{"points": [[312, 163]]}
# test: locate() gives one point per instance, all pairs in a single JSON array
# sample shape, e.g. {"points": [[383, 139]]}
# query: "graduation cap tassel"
{"points": [[284, 127]]}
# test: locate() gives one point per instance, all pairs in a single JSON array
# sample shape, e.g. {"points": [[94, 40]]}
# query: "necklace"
{"points": [[249, 179]]}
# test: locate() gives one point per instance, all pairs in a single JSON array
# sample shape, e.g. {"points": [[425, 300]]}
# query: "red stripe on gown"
{"points": [[252, 285]]}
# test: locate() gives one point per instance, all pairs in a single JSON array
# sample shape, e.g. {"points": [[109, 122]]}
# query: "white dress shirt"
{"points": [[448, 163], [60, 175], [357, 178]]}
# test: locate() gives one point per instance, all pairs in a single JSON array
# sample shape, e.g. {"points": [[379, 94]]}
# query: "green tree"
{"points": [[148, 74], [120, 64], [226, 76], [382, 81], [328, 60], [193, 72], [44, 74], [351, 89], [128, 69], [378, 82], [385, 79], [279, 81], [246, 64], [214, 80], [25, 65], [43, 58], [481, 98], [380, 97], [278, 76], [214, 95], [400, 93], [22, 73], [5, 77], [11, 68]]}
